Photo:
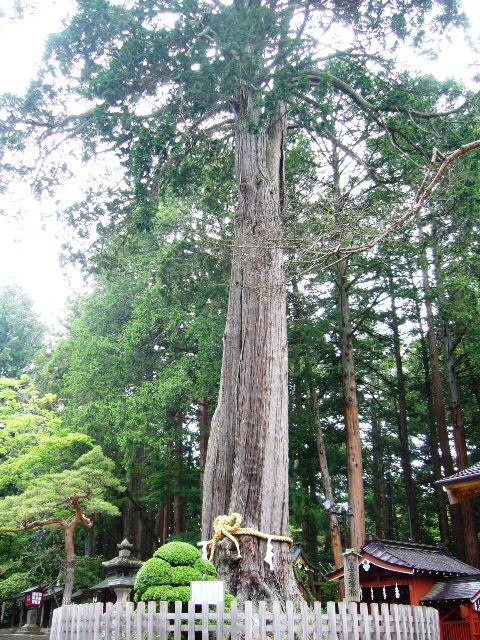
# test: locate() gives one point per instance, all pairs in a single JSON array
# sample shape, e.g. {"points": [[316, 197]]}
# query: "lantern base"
{"points": [[31, 627]]}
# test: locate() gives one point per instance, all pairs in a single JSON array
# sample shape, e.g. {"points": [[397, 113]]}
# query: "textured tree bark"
{"points": [[349, 384], [246, 469], [350, 412], [402, 419], [69, 529]]}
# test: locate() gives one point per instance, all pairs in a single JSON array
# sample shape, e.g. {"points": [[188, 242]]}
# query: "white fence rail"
{"points": [[154, 621]]}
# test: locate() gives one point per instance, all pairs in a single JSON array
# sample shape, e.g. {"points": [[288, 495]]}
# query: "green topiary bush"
{"points": [[206, 568], [184, 575], [167, 576], [167, 593], [155, 571], [178, 553]]}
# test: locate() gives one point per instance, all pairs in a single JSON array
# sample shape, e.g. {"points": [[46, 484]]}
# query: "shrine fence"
{"points": [[154, 621]]}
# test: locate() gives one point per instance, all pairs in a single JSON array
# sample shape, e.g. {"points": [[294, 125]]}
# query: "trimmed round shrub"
{"points": [[167, 593], [178, 553], [167, 576], [154, 572], [183, 575], [206, 568]]}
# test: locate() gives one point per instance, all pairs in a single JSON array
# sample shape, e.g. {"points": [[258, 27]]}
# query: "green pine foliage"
{"points": [[90, 477]]}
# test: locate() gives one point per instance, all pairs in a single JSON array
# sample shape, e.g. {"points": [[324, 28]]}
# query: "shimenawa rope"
{"points": [[229, 527]]}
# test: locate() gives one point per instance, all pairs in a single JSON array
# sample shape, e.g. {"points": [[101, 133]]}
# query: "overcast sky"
{"points": [[30, 236]]}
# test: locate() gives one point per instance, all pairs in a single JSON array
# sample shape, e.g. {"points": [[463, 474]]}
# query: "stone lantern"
{"points": [[120, 573]]}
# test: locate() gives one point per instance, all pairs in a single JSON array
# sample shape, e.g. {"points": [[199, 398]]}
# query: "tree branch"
{"points": [[37, 524], [431, 180]]}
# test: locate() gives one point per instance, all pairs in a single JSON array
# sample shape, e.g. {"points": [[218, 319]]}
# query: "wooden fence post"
{"points": [[387, 621], [332, 620], [163, 622], [233, 621]]}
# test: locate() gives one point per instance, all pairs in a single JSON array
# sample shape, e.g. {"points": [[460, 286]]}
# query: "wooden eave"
{"points": [[475, 597], [462, 489], [375, 561]]}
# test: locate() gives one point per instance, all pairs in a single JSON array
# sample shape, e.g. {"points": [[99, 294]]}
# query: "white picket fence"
{"points": [[154, 621]]}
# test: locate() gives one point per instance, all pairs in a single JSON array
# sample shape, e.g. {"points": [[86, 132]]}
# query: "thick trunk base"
{"points": [[250, 577]]}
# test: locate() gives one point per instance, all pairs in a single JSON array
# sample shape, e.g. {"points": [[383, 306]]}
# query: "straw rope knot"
{"points": [[229, 527]]}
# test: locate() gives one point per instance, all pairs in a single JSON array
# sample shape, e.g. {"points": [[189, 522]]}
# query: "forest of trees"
{"points": [[283, 312]]}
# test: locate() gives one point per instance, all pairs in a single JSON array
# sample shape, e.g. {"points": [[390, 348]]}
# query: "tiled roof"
{"points": [[420, 557], [112, 582], [471, 473], [460, 589], [122, 563]]}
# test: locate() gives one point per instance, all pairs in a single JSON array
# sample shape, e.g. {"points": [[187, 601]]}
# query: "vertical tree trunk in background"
{"points": [[379, 484], [350, 412], [439, 409], [90, 544], [246, 470], [178, 515], [392, 528], [132, 522], [334, 530], [166, 520], [204, 421], [158, 526], [178, 508], [349, 384], [405, 453], [432, 434], [308, 519]]}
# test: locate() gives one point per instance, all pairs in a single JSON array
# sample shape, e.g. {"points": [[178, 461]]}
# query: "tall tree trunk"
{"points": [[432, 432], [350, 412], [439, 409], [349, 384], [379, 483], [246, 470], [405, 453], [69, 530]]}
